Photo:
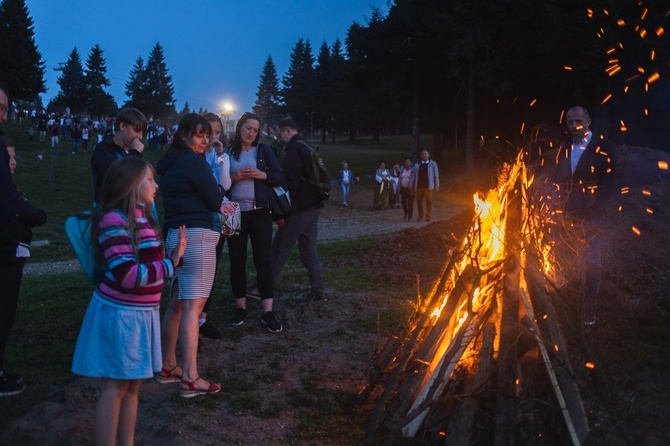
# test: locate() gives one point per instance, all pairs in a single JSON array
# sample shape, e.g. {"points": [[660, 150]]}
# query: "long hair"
{"points": [[189, 125], [120, 190], [237, 142]]}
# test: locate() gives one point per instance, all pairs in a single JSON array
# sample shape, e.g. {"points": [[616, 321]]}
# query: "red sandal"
{"points": [[187, 388], [166, 376]]}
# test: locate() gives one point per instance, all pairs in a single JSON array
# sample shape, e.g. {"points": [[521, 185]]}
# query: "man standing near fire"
{"points": [[583, 180]]}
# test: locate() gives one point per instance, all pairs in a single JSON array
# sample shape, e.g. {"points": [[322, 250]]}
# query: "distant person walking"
{"points": [[346, 180], [119, 340], [406, 196], [382, 176], [426, 181]]}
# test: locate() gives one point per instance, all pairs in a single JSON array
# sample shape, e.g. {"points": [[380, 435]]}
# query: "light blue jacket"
{"points": [[433, 176]]}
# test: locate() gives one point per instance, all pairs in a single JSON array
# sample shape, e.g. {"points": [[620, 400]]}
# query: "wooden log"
{"points": [[551, 331], [438, 378], [550, 371], [461, 424], [509, 327]]}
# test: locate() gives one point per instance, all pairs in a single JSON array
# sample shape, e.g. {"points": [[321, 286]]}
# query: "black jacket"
{"points": [[297, 165], [581, 194], [104, 154]]}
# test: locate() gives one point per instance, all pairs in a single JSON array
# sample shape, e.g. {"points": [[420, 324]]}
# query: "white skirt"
{"points": [[195, 276]]}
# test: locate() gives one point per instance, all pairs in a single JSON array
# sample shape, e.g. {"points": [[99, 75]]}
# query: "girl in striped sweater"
{"points": [[119, 339]]}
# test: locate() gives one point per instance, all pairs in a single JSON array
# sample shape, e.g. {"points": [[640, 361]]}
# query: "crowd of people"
{"points": [[123, 339], [397, 187]]}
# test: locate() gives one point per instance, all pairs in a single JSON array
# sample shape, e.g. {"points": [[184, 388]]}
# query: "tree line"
{"points": [[466, 71]]}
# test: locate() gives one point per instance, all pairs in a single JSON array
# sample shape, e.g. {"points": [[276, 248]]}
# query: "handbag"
{"points": [[280, 203], [231, 217]]}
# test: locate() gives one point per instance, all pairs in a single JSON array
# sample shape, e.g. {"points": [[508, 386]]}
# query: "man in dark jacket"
{"points": [[583, 180], [130, 125], [17, 216], [302, 225]]}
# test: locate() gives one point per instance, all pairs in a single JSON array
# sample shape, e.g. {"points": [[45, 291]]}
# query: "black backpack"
{"points": [[318, 180]]}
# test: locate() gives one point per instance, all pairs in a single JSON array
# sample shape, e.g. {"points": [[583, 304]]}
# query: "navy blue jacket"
{"points": [[191, 196]]}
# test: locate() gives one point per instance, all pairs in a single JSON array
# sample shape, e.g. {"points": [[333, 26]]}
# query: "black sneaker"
{"points": [[8, 387], [268, 319], [238, 317], [209, 331]]}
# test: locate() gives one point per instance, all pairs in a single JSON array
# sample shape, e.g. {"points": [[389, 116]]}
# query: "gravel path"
{"points": [[337, 222]]}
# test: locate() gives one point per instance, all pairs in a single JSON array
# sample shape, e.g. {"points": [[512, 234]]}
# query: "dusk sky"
{"points": [[214, 49]]}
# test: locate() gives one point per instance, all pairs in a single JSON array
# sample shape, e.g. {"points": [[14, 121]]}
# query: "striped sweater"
{"points": [[132, 281]]}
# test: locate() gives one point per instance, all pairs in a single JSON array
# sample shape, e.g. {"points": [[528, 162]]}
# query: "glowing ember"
{"points": [[646, 192], [659, 31], [567, 68], [590, 365], [607, 98], [650, 211], [653, 78], [635, 230], [663, 165]]}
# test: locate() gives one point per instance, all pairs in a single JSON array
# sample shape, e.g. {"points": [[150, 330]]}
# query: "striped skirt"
{"points": [[195, 276]]}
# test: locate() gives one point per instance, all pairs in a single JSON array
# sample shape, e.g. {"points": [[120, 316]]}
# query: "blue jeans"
{"points": [[345, 192]]}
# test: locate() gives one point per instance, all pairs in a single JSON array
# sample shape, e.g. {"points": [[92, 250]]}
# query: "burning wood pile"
{"points": [[458, 375]]}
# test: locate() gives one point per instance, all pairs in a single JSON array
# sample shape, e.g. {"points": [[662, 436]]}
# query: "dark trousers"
{"points": [[424, 194], [219, 251], [301, 227], [407, 201], [10, 284], [257, 227]]}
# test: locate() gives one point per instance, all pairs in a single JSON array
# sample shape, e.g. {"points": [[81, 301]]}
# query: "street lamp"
{"points": [[227, 111]]}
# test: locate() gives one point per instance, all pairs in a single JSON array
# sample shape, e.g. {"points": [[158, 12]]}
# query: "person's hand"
{"points": [[217, 145], [136, 144], [178, 251], [252, 172], [280, 223]]}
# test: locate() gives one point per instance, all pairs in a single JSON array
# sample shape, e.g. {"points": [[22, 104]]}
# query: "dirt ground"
{"points": [[272, 382]]}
